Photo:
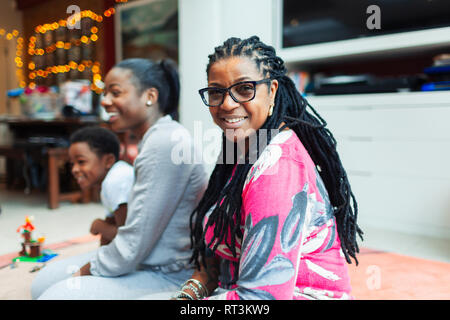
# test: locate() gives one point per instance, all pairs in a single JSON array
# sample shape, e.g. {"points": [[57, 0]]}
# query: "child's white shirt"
{"points": [[116, 187]]}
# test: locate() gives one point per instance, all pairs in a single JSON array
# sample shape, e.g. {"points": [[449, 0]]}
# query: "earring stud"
{"points": [[149, 103], [271, 110]]}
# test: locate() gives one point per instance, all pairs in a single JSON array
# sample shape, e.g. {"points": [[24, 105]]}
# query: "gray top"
{"points": [[156, 232]]}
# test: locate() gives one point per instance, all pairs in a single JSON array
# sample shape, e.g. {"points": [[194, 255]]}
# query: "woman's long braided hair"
{"points": [[290, 109]]}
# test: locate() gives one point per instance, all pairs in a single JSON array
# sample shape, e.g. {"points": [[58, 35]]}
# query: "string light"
{"points": [[19, 63], [18, 58], [72, 65], [60, 45]]}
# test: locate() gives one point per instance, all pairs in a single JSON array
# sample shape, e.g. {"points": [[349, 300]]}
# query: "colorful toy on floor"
{"points": [[32, 249]]}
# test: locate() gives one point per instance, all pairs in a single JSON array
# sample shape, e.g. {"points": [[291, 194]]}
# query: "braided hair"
{"points": [[290, 109]]}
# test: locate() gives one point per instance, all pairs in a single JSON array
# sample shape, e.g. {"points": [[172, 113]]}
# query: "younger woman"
{"points": [[150, 253]]}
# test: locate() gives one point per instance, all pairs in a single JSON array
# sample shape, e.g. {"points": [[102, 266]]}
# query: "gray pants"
{"points": [[55, 282]]}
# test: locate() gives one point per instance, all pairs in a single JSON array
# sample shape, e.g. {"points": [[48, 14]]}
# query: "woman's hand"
{"points": [[77, 274], [84, 271], [207, 276]]}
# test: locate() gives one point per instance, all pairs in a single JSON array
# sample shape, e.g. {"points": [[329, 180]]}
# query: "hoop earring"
{"points": [[271, 110], [149, 103]]}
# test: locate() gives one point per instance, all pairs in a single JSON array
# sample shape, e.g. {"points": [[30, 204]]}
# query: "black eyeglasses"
{"points": [[240, 92]]}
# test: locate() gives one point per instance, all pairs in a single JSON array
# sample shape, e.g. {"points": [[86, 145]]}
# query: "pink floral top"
{"points": [[290, 248]]}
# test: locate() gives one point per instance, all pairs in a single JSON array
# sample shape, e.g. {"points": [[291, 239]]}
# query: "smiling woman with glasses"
{"points": [[284, 226]]}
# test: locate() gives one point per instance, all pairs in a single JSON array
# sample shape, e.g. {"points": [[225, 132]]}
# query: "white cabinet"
{"points": [[396, 150], [394, 146]]}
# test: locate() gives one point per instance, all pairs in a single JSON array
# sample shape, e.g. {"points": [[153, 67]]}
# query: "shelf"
{"points": [[406, 42], [383, 100]]}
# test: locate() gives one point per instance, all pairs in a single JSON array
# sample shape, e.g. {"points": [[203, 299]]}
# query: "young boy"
{"points": [[94, 155]]}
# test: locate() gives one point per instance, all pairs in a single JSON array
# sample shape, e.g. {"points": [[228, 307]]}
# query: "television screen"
{"points": [[318, 21]]}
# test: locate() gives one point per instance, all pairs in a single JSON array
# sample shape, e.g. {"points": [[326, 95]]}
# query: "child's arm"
{"points": [[120, 215], [108, 231], [108, 227]]}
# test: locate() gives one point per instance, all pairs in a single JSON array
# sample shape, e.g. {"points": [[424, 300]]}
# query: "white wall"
{"points": [[203, 25]]}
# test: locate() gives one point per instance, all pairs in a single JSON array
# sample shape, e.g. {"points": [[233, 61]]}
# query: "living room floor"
{"points": [[392, 265]]}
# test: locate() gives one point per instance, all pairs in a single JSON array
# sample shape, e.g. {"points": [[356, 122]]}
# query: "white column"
{"points": [[203, 25]]}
